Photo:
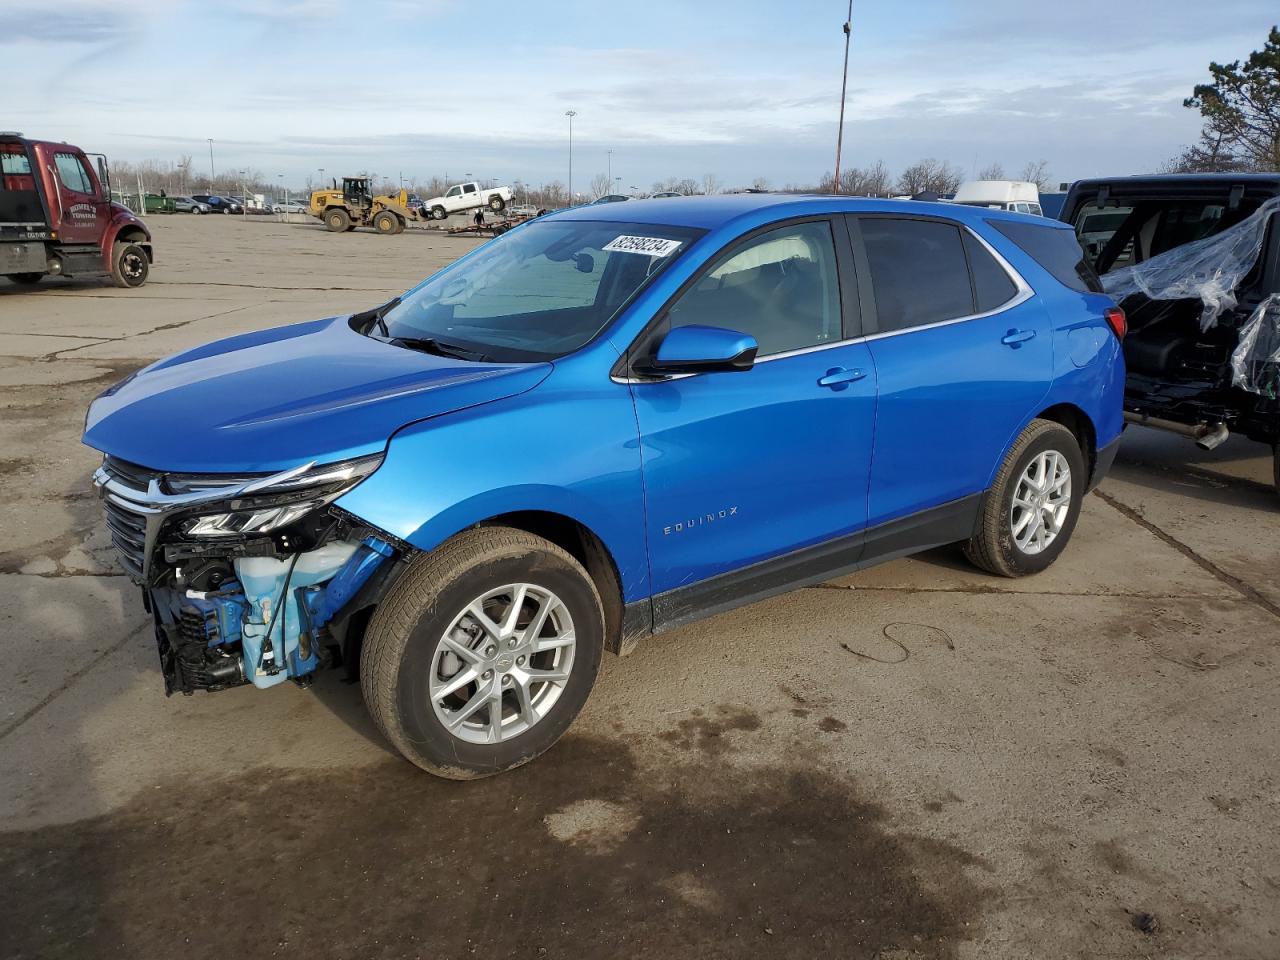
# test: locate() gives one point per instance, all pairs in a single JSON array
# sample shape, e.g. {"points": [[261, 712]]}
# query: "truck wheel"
{"points": [[26, 279], [1031, 509], [129, 265], [497, 204], [337, 220], [400, 224], [439, 212], [385, 222], [483, 652]]}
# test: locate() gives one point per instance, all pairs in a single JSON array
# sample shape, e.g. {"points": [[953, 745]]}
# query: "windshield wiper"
{"points": [[432, 345]]}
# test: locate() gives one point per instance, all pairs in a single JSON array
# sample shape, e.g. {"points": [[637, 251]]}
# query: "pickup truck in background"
{"points": [[1194, 260], [467, 196], [57, 217]]}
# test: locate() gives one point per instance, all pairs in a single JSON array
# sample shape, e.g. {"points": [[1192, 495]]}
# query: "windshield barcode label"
{"points": [[649, 246]]}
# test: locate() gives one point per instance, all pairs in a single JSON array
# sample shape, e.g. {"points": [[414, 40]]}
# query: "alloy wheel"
{"points": [[502, 664], [1041, 502]]}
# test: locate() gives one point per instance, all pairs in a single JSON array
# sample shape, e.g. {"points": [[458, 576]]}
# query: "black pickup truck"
{"points": [[1194, 260]]}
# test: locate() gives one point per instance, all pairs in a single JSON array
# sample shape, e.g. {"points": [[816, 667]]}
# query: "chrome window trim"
{"points": [[1022, 293]]}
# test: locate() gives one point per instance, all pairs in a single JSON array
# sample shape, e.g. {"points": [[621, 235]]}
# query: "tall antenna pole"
{"points": [[571, 114], [844, 83]]}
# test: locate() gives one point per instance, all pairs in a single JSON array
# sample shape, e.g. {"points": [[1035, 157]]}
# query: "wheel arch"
{"points": [[1081, 426], [584, 545], [127, 233]]}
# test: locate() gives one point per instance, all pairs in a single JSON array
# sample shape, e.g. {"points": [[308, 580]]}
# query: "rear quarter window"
{"points": [[1056, 250]]}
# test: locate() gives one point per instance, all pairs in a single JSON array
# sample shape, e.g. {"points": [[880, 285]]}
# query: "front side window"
{"points": [[72, 173], [918, 272], [780, 288], [536, 293], [453, 192]]}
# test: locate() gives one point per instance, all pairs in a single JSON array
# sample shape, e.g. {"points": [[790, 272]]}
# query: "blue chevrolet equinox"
{"points": [[603, 424]]}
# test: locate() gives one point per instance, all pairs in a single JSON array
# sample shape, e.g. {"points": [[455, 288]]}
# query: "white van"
{"points": [[1016, 195]]}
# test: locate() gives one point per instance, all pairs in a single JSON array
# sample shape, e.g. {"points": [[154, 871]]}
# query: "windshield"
{"points": [[536, 293]]}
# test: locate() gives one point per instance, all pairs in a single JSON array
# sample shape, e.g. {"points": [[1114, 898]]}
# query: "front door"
{"points": [[964, 356], [741, 467], [80, 207]]}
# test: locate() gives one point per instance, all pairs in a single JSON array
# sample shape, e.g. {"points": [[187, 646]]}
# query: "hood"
{"points": [[274, 399]]}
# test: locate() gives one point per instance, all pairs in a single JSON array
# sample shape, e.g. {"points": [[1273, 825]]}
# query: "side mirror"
{"points": [[699, 349]]}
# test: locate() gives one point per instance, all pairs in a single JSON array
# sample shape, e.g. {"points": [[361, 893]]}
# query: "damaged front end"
{"points": [[249, 579]]}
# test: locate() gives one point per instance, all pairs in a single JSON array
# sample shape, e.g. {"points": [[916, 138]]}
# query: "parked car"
{"points": [[665, 193], [698, 405], [218, 204], [288, 206], [611, 198], [1195, 262], [467, 196], [191, 205]]}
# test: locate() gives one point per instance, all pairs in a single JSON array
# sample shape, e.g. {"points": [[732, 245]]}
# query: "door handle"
{"points": [[1015, 337], [838, 378]]}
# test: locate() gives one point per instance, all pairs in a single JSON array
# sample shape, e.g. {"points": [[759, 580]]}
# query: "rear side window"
{"points": [[918, 271], [992, 285], [1054, 249]]}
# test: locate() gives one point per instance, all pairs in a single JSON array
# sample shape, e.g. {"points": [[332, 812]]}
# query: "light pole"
{"points": [[571, 114], [609, 165], [211, 174], [844, 84]]}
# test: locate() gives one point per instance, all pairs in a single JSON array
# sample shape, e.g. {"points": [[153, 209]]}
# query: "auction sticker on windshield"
{"points": [[649, 246]]}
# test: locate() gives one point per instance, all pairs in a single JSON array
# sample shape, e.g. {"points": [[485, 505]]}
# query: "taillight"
{"points": [[1116, 321]]}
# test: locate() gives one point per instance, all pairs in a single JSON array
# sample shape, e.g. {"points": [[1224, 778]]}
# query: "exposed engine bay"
{"points": [[248, 579]]}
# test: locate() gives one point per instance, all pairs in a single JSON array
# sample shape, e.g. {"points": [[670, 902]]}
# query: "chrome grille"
{"points": [[128, 526]]}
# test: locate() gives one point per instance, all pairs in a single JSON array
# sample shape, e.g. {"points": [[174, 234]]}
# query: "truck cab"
{"points": [[57, 217]]}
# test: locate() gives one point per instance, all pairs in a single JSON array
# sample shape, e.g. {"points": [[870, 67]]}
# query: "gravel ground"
{"points": [[915, 761]]}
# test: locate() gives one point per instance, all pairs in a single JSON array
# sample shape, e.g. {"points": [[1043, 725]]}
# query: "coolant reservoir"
{"points": [[263, 579]]}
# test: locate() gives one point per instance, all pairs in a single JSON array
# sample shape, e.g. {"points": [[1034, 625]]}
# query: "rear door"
{"points": [[81, 208], [964, 355]]}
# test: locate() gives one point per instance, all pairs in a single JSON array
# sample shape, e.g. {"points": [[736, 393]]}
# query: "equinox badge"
{"points": [[698, 521]]}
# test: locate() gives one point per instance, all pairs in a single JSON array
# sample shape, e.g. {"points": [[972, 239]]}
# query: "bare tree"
{"points": [[869, 181], [760, 183], [711, 184], [599, 185], [929, 176], [992, 171], [1037, 172]]}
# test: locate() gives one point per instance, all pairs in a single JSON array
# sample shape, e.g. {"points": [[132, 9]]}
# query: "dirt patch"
{"points": [[706, 733], [700, 860]]}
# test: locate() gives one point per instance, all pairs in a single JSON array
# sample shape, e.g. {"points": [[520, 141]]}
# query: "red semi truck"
{"points": [[57, 217]]}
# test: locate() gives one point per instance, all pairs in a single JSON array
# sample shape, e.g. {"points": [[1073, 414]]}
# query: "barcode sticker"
{"points": [[649, 246]]}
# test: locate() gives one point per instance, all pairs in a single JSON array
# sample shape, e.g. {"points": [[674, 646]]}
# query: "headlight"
{"points": [[256, 505]]}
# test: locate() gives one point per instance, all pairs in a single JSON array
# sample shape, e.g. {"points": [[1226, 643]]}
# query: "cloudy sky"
{"points": [[743, 89]]}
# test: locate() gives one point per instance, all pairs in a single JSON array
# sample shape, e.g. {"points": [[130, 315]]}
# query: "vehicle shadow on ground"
{"points": [[343, 698], [586, 852]]}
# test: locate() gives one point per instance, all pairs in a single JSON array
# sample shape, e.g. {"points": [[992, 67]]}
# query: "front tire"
{"points": [[129, 265], [439, 213], [337, 220], [483, 653], [1030, 511]]}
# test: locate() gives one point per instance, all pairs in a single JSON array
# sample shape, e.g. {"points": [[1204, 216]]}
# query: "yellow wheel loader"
{"points": [[353, 205]]}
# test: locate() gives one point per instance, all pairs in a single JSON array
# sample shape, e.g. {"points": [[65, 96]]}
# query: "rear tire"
{"points": [[26, 279], [129, 265], [337, 220], [1017, 539], [196, 210], [385, 222], [497, 204], [423, 638]]}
